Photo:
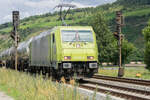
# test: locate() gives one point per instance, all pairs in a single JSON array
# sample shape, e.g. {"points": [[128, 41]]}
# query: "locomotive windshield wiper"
{"points": [[76, 38]]}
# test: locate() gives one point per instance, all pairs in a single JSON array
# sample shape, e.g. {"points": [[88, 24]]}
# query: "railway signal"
{"points": [[116, 35], [14, 34], [119, 36]]}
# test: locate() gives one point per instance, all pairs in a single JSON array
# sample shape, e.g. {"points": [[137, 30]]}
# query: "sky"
{"points": [[36, 7]]}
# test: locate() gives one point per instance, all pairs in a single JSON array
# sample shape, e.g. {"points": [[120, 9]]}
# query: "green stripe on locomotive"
{"points": [[59, 50]]}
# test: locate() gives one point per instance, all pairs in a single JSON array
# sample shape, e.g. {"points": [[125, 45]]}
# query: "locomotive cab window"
{"points": [[77, 36]]}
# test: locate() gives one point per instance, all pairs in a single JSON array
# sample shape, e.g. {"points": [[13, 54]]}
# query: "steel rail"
{"points": [[119, 87], [125, 80], [113, 93]]}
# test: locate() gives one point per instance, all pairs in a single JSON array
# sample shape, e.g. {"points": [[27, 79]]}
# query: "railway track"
{"points": [[125, 92], [124, 80], [114, 90], [115, 93]]}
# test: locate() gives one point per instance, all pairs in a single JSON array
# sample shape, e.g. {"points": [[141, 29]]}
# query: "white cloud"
{"points": [[25, 14], [7, 17], [43, 4], [33, 7], [79, 5]]}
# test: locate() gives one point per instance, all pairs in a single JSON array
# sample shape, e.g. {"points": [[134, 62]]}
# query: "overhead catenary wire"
{"points": [[61, 6]]}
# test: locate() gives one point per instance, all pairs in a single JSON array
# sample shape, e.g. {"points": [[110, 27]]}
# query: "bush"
{"points": [[105, 39], [146, 33]]}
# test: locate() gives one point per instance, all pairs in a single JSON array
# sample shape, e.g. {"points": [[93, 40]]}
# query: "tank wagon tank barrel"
{"points": [[23, 48]]}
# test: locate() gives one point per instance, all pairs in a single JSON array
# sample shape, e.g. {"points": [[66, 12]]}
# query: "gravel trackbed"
{"points": [[3, 96]]}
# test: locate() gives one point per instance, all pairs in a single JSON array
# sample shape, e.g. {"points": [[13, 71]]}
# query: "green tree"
{"points": [[107, 44], [130, 3], [146, 33], [105, 39], [128, 50]]}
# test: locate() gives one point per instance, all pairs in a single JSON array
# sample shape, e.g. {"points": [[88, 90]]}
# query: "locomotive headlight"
{"points": [[78, 45], [67, 58], [90, 57]]}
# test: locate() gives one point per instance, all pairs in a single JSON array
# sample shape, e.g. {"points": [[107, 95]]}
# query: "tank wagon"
{"points": [[61, 51]]}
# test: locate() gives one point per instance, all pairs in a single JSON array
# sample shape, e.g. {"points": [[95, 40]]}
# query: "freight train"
{"points": [[61, 51]]}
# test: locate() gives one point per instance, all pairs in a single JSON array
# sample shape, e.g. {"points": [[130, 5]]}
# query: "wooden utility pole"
{"points": [[14, 34], [119, 21]]}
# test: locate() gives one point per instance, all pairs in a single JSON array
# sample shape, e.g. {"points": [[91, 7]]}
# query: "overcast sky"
{"points": [[36, 7]]}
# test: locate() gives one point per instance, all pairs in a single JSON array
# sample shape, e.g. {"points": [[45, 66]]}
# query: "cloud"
{"points": [[79, 5], [7, 17], [33, 7], [43, 4], [25, 14]]}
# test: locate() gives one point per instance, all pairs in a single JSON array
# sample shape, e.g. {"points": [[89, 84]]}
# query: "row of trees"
{"points": [[107, 44], [108, 47], [130, 3]]}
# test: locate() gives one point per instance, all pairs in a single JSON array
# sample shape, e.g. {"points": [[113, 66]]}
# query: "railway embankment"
{"points": [[23, 86], [20, 85], [125, 88]]}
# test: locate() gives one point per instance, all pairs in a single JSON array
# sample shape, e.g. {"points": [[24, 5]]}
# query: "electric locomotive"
{"points": [[62, 51]]}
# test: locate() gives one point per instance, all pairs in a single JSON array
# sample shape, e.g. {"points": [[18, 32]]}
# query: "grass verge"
{"points": [[129, 72], [22, 86]]}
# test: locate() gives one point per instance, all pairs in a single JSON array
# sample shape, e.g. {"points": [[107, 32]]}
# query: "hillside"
{"points": [[136, 18]]}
